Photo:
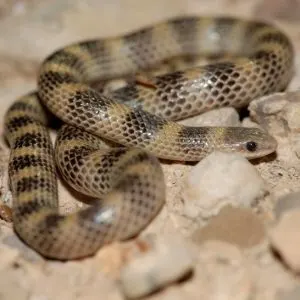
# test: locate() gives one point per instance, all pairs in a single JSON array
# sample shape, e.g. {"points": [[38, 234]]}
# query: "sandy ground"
{"points": [[29, 30]]}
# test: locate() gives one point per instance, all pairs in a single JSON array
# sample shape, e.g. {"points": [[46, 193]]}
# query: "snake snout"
{"points": [[250, 142], [257, 143]]}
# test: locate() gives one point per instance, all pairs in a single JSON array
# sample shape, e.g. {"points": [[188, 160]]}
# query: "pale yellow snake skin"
{"points": [[128, 180]]}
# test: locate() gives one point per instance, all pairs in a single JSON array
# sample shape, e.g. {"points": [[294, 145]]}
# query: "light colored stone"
{"points": [[225, 116], [167, 261], [291, 113], [247, 122], [286, 203], [279, 115], [218, 180], [285, 238], [238, 226]]}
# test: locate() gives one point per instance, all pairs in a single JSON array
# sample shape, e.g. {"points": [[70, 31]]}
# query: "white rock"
{"points": [[291, 115], [285, 238], [286, 203], [218, 180], [279, 115], [168, 260], [247, 122], [225, 116]]}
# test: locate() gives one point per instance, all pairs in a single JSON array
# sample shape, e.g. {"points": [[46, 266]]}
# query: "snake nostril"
{"points": [[251, 146]]}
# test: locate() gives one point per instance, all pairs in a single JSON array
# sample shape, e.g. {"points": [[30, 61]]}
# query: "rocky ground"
{"points": [[238, 241]]}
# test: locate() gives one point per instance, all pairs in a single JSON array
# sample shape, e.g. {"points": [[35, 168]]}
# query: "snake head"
{"points": [[250, 142]]}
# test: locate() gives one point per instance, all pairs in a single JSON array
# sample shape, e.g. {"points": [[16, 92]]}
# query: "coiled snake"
{"points": [[128, 180]]}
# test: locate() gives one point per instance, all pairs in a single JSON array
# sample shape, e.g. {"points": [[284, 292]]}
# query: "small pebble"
{"points": [[291, 115], [5, 213], [268, 105], [218, 180], [247, 122], [286, 203], [167, 260], [279, 114], [225, 116], [237, 226], [113, 85], [285, 238]]}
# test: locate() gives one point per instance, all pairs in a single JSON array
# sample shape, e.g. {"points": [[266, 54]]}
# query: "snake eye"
{"points": [[251, 146]]}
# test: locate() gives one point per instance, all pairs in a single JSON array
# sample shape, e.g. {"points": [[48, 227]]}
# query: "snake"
{"points": [[109, 144]]}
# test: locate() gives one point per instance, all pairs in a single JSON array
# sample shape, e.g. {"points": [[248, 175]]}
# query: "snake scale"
{"points": [[127, 180]]}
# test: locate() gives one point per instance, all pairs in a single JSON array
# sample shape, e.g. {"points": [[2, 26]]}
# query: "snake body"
{"points": [[127, 180]]}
